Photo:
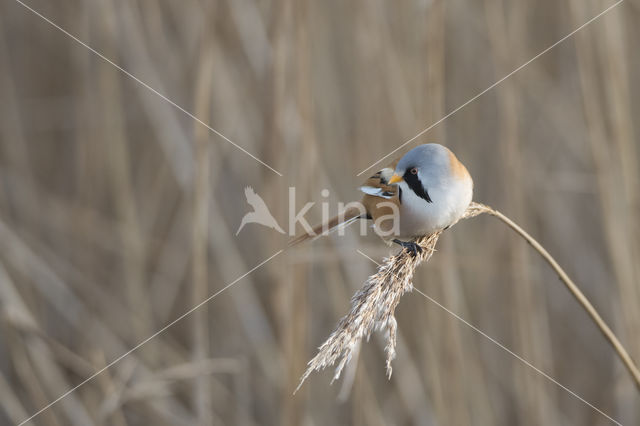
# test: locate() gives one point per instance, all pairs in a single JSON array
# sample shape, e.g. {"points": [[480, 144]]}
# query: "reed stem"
{"points": [[573, 288]]}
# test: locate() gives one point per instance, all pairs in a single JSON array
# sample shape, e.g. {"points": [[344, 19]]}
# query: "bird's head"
{"points": [[423, 165]]}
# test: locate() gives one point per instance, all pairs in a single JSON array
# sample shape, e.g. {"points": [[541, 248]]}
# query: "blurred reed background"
{"points": [[118, 212]]}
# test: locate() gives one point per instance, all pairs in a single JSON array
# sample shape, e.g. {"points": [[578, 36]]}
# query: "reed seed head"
{"points": [[373, 306]]}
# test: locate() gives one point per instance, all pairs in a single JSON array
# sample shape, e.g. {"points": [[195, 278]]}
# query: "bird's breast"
{"points": [[448, 203]]}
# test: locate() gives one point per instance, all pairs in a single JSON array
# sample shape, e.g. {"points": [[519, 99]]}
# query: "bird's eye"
{"points": [[414, 171]]}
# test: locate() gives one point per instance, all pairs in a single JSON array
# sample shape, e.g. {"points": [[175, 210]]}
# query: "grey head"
{"points": [[422, 167]]}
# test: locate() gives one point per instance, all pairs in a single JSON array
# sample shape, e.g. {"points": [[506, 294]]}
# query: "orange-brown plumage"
{"points": [[374, 206], [458, 170]]}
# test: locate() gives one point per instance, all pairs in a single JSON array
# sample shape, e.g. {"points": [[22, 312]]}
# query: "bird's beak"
{"points": [[395, 178]]}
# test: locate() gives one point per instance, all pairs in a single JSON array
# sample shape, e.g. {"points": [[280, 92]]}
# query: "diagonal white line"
{"points": [[518, 357], [145, 85], [503, 347], [493, 85], [162, 330]]}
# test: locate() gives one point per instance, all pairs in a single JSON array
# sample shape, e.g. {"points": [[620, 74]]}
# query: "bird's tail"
{"points": [[345, 218]]}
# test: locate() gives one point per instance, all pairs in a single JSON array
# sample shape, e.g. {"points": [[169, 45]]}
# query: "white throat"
{"points": [[449, 200]]}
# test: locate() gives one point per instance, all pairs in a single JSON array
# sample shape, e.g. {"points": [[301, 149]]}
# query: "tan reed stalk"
{"points": [[574, 290], [373, 307]]}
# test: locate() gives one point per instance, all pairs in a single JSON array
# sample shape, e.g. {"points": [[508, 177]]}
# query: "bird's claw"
{"points": [[412, 248]]}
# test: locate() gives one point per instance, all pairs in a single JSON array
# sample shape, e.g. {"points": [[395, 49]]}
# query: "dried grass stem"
{"points": [[575, 291]]}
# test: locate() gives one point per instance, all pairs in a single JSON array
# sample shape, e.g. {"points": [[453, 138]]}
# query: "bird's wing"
{"points": [[378, 191], [379, 196], [378, 184]]}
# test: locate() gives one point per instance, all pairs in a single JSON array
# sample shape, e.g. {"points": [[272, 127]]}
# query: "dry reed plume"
{"points": [[373, 306]]}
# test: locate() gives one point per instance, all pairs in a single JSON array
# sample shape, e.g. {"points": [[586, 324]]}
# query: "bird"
{"points": [[426, 190], [260, 213]]}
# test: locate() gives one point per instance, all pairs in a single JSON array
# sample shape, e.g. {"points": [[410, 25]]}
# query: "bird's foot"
{"points": [[412, 248]]}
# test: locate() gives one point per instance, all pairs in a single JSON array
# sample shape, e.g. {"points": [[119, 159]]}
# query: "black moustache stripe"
{"points": [[416, 186]]}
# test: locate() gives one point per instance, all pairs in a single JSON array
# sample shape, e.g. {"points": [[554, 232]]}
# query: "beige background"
{"points": [[118, 212]]}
